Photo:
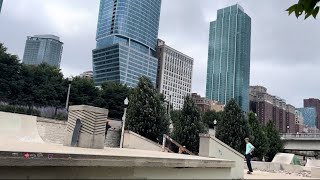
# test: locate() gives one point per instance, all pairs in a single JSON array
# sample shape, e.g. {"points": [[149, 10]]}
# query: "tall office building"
{"points": [[1, 1], [43, 49], [309, 116], [126, 41], [174, 74], [272, 108], [315, 103], [228, 72]]}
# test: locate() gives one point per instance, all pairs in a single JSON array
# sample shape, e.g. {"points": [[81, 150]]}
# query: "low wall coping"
{"points": [[144, 138], [53, 121], [88, 108], [222, 144]]}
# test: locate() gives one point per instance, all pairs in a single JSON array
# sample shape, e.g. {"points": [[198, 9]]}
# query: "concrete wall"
{"points": [[112, 173], [270, 167], [210, 146], [135, 141], [51, 131]]}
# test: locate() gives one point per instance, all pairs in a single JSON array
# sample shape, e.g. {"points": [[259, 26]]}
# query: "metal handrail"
{"points": [[181, 148]]}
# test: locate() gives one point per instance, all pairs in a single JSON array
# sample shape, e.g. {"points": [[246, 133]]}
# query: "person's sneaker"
{"points": [[249, 172]]}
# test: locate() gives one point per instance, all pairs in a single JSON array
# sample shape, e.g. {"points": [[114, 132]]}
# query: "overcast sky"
{"points": [[285, 54]]}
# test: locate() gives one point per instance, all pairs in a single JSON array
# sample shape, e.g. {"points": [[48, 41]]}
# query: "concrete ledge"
{"points": [[88, 108], [264, 166], [53, 121], [315, 172]]}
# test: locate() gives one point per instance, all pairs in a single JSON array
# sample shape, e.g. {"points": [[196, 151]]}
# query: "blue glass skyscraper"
{"points": [[1, 1], [228, 72], [126, 41]]}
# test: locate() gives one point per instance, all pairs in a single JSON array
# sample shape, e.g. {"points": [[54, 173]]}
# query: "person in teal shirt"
{"points": [[249, 149]]}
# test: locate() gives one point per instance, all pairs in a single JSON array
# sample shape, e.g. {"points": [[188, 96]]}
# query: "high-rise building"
{"points": [[312, 102], [1, 1], [228, 72], [43, 49], [174, 74], [309, 116], [272, 108], [299, 121], [126, 38]]}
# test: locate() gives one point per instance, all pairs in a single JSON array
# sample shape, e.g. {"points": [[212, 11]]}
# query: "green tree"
{"points": [[113, 95], [209, 117], [233, 127], [175, 116], [147, 111], [49, 86], [83, 92], [308, 7], [275, 142], [10, 76], [188, 126], [258, 138]]}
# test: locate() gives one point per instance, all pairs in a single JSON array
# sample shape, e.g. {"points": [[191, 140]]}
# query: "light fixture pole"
{"points": [[67, 102], [288, 129], [214, 127], [126, 102]]}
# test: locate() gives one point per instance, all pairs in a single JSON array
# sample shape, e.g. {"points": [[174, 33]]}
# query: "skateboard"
{"points": [[76, 133]]}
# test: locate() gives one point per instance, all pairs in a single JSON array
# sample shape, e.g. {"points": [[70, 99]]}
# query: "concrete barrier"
{"points": [[210, 146], [313, 163], [315, 172], [133, 140], [283, 158], [264, 166]]}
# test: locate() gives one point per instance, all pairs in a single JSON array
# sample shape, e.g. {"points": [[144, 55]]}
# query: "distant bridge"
{"points": [[301, 142]]}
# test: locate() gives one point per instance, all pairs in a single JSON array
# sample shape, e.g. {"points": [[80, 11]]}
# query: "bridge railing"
{"points": [[300, 135]]}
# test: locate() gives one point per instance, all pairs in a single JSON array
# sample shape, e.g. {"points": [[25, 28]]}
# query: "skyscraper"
{"points": [[43, 49], [1, 1], [228, 72], [174, 74], [315, 103], [126, 41]]}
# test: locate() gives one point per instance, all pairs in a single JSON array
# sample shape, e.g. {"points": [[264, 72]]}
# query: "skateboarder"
{"points": [[107, 128], [249, 149]]}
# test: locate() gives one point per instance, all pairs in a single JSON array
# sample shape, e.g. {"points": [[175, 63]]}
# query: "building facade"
{"points": [[206, 105], [43, 49], [309, 116], [174, 74], [228, 73], [126, 38], [1, 2], [312, 102], [87, 75], [272, 108], [299, 121]]}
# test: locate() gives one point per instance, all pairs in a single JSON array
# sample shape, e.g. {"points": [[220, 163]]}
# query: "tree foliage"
{"points": [[308, 7], [147, 111], [275, 142], [258, 138], [188, 126], [113, 95], [209, 117], [233, 127]]}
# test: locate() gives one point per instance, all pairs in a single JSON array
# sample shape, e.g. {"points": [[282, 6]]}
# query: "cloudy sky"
{"points": [[284, 53]]}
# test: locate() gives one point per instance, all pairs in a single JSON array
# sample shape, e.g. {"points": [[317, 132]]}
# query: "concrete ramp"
{"points": [[283, 158], [313, 163], [18, 128]]}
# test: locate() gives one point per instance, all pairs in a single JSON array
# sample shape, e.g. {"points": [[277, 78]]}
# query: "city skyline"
{"points": [[274, 52]]}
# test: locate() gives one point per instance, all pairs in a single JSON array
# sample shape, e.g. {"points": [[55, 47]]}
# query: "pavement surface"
{"points": [[267, 175]]}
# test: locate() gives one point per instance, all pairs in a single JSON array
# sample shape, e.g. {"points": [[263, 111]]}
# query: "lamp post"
{"points": [[126, 102], [67, 102], [214, 127], [288, 129]]}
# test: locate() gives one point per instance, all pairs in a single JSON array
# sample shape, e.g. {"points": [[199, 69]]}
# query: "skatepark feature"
{"points": [[24, 155], [18, 128], [283, 158]]}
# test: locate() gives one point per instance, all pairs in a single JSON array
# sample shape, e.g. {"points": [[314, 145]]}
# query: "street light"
{"points": [[288, 129], [214, 127], [67, 102], [126, 102]]}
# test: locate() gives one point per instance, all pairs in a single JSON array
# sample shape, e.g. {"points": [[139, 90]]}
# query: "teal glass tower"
{"points": [[228, 73], [1, 1], [126, 38]]}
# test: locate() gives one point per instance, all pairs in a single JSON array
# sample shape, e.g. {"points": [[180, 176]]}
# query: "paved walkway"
{"points": [[267, 175]]}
